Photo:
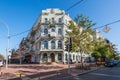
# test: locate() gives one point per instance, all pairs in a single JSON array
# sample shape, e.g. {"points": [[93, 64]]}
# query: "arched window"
{"points": [[52, 30], [59, 44], [60, 57], [66, 57], [76, 58], [60, 20], [53, 20], [59, 31], [46, 20], [45, 57], [52, 44], [73, 57], [46, 44], [46, 31], [70, 56]]}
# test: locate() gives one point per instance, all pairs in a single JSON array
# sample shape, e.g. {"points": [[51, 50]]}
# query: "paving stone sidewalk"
{"points": [[40, 72]]}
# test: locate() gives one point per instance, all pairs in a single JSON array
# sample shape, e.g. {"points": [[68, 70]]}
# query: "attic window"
{"points": [[52, 11]]}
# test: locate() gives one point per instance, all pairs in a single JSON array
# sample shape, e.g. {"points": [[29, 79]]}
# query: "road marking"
{"points": [[19, 75], [107, 75], [51, 75]]}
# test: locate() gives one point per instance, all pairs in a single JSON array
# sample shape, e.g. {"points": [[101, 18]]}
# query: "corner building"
{"points": [[45, 43]]}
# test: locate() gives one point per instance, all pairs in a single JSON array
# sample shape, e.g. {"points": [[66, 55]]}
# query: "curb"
{"points": [[88, 71], [76, 76]]}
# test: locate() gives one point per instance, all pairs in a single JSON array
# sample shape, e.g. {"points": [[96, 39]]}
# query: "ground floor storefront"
{"points": [[58, 57]]}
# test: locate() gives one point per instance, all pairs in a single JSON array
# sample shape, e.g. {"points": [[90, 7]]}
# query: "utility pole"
{"points": [[69, 48], [8, 37], [68, 59]]}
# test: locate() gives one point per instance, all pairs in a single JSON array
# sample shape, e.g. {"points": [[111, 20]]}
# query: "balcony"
{"points": [[32, 40], [60, 37], [60, 23], [43, 35], [52, 48], [45, 13], [60, 47], [32, 52], [45, 22], [42, 49], [59, 13], [36, 27], [52, 34]]}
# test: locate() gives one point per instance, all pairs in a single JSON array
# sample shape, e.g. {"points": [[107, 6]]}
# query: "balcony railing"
{"points": [[52, 34], [44, 13], [59, 22], [52, 49], [45, 22], [56, 22], [44, 35]]}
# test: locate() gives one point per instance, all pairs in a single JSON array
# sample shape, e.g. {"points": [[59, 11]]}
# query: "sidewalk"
{"points": [[39, 71]]}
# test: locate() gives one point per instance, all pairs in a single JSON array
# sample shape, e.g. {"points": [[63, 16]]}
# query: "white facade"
{"points": [[97, 35], [49, 37]]}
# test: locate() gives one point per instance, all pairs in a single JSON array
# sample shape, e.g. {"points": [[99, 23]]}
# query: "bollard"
{"points": [[20, 75], [56, 74], [1, 73], [0, 70], [39, 78]]}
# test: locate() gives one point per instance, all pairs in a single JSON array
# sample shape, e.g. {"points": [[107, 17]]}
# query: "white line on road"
{"points": [[107, 75]]}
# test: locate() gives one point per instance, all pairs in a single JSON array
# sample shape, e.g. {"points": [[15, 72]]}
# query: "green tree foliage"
{"points": [[82, 35], [96, 54], [106, 51], [1, 57], [80, 30], [117, 57]]}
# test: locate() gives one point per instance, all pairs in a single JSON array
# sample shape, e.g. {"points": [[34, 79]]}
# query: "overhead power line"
{"points": [[65, 10], [93, 29], [20, 33], [74, 5], [107, 24]]}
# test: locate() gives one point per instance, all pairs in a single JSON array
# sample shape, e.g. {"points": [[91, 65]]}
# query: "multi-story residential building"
{"points": [[46, 40]]}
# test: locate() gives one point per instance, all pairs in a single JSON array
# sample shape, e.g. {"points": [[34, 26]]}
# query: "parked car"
{"points": [[110, 63], [116, 62]]}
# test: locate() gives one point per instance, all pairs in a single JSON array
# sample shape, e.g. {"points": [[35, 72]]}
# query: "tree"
{"points": [[106, 51], [81, 32], [96, 55], [1, 57]]}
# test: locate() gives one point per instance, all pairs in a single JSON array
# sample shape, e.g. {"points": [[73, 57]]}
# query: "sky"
{"points": [[20, 15]]}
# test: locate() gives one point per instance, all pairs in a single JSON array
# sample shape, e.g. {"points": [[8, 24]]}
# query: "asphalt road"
{"points": [[102, 74]]}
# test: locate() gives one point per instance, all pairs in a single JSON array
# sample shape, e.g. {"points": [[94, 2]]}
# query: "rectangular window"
{"points": [[60, 20], [46, 20], [53, 20], [59, 31]]}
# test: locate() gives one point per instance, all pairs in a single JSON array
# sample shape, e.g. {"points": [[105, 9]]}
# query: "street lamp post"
{"points": [[8, 37]]}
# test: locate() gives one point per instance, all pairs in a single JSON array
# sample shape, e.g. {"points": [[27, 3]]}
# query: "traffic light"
{"points": [[66, 47], [70, 44], [70, 47]]}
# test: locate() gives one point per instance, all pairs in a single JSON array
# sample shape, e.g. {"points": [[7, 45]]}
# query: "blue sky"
{"points": [[20, 16]]}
